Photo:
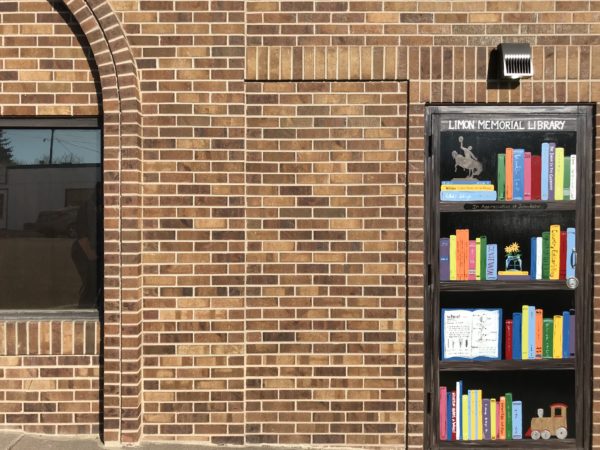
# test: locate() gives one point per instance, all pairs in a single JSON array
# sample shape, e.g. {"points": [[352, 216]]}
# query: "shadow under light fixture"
{"points": [[514, 61]]}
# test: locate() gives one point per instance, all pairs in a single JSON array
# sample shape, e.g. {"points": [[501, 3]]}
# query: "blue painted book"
{"points": [[449, 417], [571, 333], [516, 336], [551, 168], [570, 253], [517, 419], [450, 182], [445, 259], [531, 340], [491, 266], [545, 163], [518, 173], [566, 353], [533, 261], [467, 196]]}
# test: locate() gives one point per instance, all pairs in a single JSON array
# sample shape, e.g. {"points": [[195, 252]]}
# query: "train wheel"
{"points": [[546, 434], [535, 435], [561, 433]]}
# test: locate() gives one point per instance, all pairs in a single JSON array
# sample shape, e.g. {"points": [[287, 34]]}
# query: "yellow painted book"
{"points": [[493, 419], [513, 272], [559, 169], [554, 252], [479, 414], [473, 412], [525, 332], [452, 257], [467, 187], [478, 258], [557, 337], [465, 417]]}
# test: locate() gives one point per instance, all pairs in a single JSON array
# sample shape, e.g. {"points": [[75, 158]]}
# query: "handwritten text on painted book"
{"points": [[506, 124]]}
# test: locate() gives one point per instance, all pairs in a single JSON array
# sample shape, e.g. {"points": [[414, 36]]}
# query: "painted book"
{"points": [[531, 340], [517, 419], [518, 174], [559, 172], [478, 258], [557, 343], [551, 169], [453, 257], [566, 334], [502, 410], [539, 333], [516, 344], [464, 433], [538, 258], [501, 176], [459, 410], [567, 178], [562, 270], [508, 404], [536, 177], [472, 414], [527, 178], [467, 187], [547, 344], [483, 260], [454, 417], [571, 333], [508, 338], [467, 196], [493, 422], [525, 332], [544, 170], [449, 417], [443, 412], [472, 260], [487, 435], [533, 260], [509, 175], [573, 178], [545, 255], [454, 182], [570, 255], [554, 252], [444, 259], [491, 270], [462, 254], [479, 434]]}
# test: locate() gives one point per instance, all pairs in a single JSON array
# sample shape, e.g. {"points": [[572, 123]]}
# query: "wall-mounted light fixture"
{"points": [[514, 61]]}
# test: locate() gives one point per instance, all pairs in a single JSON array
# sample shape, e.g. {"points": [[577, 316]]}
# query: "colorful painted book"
{"points": [[465, 417], [559, 172], [487, 435], [502, 410], [508, 338], [551, 169], [566, 334], [508, 189], [554, 252], [444, 259], [536, 177], [454, 182], [544, 173], [545, 255], [538, 258], [479, 435], [459, 410], [533, 261], [547, 344], [454, 417], [443, 413], [453, 257], [483, 261], [467, 187], [557, 343], [525, 332], [467, 196], [539, 333], [518, 173], [472, 414], [567, 178], [570, 254], [449, 417], [501, 176], [517, 419], [478, 258], [571, 333], [573, 178], [462, 254], [471, 275], [517, 333], [531, 340], [527, 179], [562, 270], [493, 421], [508, 403], [491, 270]]}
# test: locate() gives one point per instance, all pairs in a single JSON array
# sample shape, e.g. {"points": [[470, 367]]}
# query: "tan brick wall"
{"points": [[260, 322]]}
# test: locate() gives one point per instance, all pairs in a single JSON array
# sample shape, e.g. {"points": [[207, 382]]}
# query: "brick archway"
{"points": [[122, 338]]}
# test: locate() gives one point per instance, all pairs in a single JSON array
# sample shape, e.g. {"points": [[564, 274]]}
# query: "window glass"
{"points": [[50, 218]]}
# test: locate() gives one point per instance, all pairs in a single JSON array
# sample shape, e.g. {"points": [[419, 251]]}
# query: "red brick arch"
{"points": [[121, 376]]}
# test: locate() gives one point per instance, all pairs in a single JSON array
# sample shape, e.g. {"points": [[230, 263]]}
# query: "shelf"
{"points": [[508, 365], [505, 285], [512, 444], [527, 207]]}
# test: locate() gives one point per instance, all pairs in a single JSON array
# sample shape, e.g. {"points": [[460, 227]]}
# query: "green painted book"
{"points": [[547, 340], [567, 178], [501, 176], [546, 255], [508, 403]]}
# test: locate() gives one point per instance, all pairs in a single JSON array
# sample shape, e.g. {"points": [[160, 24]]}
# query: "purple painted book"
{"points": [[487, 435], [444, 259]]}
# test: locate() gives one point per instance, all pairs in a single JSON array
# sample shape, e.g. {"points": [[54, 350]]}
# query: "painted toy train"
{"points": [[546, 427]]}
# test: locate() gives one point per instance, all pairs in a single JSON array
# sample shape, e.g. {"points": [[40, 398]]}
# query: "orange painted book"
{"points": [[539, 333], [502, 407], [509, 173], [462, 254]]}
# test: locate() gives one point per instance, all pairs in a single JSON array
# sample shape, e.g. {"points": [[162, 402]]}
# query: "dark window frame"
{"points": [[91, 123]]}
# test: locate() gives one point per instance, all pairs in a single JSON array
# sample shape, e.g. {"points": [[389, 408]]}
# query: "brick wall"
{"points": [[280, 238]]}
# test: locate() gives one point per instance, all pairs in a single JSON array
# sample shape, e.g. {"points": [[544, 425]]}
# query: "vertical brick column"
{"points": [[325, 354]]}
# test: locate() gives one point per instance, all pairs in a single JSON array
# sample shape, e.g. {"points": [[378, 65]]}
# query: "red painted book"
{"points": [[562, 268], [508, 337], [536, 177]]}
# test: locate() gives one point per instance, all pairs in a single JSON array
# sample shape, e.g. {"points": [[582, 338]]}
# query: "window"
{"points": [[50, 214]]}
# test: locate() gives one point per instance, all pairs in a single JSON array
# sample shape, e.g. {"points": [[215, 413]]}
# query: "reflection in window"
{"points": [[50, 218]]}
